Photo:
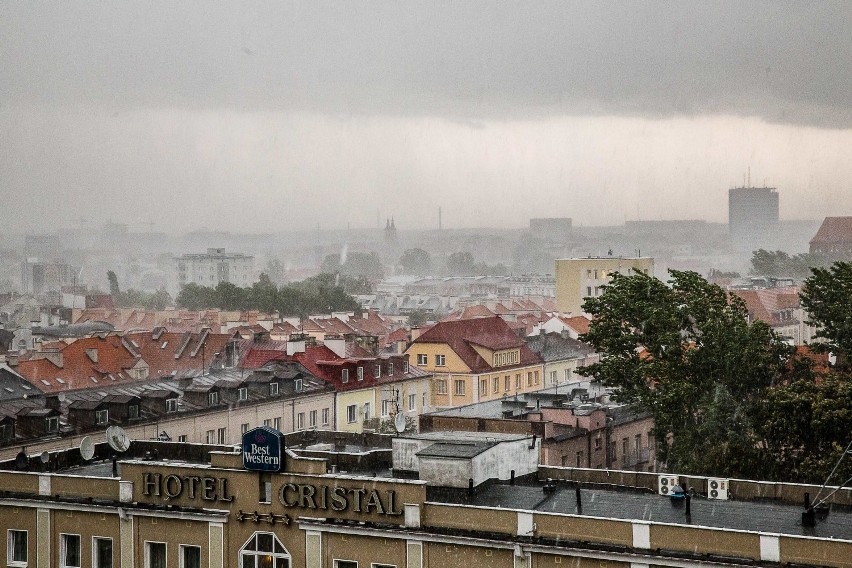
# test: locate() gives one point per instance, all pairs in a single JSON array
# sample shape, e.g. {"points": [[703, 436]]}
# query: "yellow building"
{"points": [[474, 360], [580, 278]]}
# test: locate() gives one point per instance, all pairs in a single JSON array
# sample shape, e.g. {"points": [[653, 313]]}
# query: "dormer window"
{"points": [[133, 411], [273, 389], [405, 367], [171, 405], [344, 375], [378, 370], [101, 416], [242, 393], [212, 398], [390, 368], [298, 385], [360, 373], [51, 424]]}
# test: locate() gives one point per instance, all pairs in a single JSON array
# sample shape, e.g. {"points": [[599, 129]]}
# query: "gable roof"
{"points": [[834, 230], [492, 333]]}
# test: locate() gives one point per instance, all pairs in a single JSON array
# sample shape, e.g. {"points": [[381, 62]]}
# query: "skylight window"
{"points": [[163, 346], [60, 381], [45, 382], [8, 389]]}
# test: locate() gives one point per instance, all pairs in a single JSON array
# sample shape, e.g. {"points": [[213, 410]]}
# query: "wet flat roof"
{"points": [[755, 516]]}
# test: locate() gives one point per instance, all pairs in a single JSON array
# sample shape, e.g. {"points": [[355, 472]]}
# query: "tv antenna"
{"points": [[808, 517], [87, 448], [117, 439]]}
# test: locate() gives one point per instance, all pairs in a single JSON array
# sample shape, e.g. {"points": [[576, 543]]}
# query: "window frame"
{"points": [[273, 389], [422, 359], [242, 394], [181, 548], [10, 549], [440, 360], [459, 387], [63, 550], [96, 559], [51, 425], [351, 413], [102, 416], [213, 398], [171, 405], [147, 553]]}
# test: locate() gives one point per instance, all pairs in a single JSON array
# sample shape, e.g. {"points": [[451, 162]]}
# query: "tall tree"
{"points": [[827, 298], [113, 284], [686, 353], [416, 261]]}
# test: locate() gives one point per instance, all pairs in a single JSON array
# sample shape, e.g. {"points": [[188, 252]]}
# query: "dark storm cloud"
{"points": [[784, 62]]}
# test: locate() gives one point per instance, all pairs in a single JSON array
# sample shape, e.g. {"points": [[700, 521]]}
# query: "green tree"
{"points": [[686, 353], [363, 264], [114, 290], [264, 294], [416, 261], [826, 297], [460, 264]]}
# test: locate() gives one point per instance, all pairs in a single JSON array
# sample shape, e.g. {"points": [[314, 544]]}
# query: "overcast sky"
{"points": [[266, 116]]}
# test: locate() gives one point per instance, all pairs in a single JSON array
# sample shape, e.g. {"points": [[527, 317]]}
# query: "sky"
{"points": [[268, 116]]}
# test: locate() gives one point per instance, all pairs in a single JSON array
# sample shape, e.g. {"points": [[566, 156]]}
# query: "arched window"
{"points": [[264, 550]]}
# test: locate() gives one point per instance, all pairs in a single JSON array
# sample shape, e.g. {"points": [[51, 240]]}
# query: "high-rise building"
{"points": [[753, 218]]}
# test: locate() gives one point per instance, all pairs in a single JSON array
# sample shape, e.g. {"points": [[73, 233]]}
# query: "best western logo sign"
{"points": [[263, 449]]}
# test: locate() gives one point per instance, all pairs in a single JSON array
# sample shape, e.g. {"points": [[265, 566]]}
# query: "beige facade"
{"points": [[218, 515], [579, 278]]}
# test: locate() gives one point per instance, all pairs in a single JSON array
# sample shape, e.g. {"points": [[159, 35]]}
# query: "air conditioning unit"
{"points": [[665, 484], [717, 488]]}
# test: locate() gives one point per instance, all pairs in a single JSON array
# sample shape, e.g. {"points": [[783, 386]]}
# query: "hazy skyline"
{"points": [[261, 117]]}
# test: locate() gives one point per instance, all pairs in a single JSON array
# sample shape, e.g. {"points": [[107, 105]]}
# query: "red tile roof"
{"points": [[492, 333], [580, 324], [834, 230]]}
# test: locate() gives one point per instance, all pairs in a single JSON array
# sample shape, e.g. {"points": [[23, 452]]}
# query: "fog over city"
{"points": [[256, 117]]}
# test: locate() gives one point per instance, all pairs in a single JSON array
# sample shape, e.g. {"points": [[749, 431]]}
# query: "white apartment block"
{"points": [[213, 267]]}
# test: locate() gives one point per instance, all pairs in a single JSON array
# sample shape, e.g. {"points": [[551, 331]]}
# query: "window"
{"points": [[386, 405], [211, 436], [16, 548], [242, 393], [440, 360], [412, 402], [459, 384], [597, 443], [552, 377], [374, 565], [325, 417], [276, 423], [244, 428], [212, 398], [425, 401], [182, 438], [441, 386], [171, 405], [273, 389], [101, 552], [297, 385], [588, 290], [390, 367], [507, 383], [300, 421], [495, 384], [567, 375], [133, 411], [483, 387], [344, 375], [517, 381], [366, 411], [529, 379], [69, 550], [51, 424], [102, 416], [351, 413], [638, 441], [537, 378], [579, 459], [405, 366], [264, 550], [345, 564], [422, 359], [222, 435], [155, 554], [378, 370], [267, 422], [359, 372], [190, 556], [312, 419]]}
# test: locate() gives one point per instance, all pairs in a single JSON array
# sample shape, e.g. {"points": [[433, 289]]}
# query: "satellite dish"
{"points": [[117, 438], [44, 457], [399, 422], [87, 448], [61, 397], [21, 460]]}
